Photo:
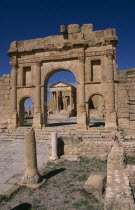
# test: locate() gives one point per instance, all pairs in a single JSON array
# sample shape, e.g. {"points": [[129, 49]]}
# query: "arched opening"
{"points": [[96, 110], [60, 98], [26, 110]]}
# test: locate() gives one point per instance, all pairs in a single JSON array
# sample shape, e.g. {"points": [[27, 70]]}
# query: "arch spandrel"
{"points": [[49, 70]]}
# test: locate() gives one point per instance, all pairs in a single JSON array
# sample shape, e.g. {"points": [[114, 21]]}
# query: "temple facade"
{"points": [[63, 98]]}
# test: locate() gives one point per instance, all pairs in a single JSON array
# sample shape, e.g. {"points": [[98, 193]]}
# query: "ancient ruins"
{"points": [[90, 56], [101, 93], [63, 99]]}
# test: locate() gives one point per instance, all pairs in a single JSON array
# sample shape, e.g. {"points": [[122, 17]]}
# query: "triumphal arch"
{"points": [[89, 55]]}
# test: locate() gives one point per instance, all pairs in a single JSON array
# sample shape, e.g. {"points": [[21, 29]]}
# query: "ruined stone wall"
{"points": [[94, 149], [129, 148], [4, 100], [126, 100]]}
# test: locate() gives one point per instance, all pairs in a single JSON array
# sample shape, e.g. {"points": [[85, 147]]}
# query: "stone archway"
{"points": [[61, 106], [25, 115], [96, 110]]}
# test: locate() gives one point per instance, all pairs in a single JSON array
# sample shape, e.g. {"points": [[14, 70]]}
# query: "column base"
{"points": [[111, 121], [37, 123], [13, 124], [81, 121], [54, 157]]}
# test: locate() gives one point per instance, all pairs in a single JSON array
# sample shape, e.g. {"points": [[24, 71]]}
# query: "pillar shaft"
{"points": [[37, 121], [110, 102], [14, 88], [110, 80], [81, 112], [13, 115], [64, 100], [38, 88], [54, 147], [81, 85]]}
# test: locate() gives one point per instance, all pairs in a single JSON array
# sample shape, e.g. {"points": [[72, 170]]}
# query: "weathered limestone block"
{"points": [[87, 28], [71, 139], [110, 32], [123, 122], [131, 126], [132, 107], [116, 158], [63, 29], [123, 99], [95, 185], [32, 175], [132, 116], [123, 114], [132, 111], [123, 105], [73, 28], [123, 110]]}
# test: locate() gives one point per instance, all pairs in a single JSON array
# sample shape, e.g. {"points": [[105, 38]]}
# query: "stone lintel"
{"points": [[51, 58]]}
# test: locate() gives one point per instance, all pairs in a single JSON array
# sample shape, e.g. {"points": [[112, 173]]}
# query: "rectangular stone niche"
{"points": [[96, 70], [27, 76]]}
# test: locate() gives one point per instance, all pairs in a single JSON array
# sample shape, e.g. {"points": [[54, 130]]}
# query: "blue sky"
{"points": [[20, 20]]}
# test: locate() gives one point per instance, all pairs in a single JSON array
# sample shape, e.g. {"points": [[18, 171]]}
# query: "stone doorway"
{"points": [[96, 111], [26, 110], [60, 98]]}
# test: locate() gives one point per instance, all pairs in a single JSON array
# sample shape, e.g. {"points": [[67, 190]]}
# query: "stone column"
{"points": [[55, 102], [57, 99], [32, 175], [81, 112], [54, 147], [57, 108], [71, 101], [37, 111], [110, 102], [13, 115], [42, 104], [64, 100]]}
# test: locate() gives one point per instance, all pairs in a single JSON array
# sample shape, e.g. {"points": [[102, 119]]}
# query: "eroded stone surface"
{"points": [[118, 190]]}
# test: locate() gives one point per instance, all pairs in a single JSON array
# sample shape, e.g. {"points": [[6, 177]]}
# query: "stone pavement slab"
{"points": [[12, 161]]}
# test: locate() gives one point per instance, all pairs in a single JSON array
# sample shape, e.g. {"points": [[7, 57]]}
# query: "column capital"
{"points": [[81, 59], [13, 63], [110, 53], [38, 63]]}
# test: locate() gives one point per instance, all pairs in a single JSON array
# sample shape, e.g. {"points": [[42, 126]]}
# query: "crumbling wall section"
{"points": [[126, 100], [4, 100], [94, 149]]}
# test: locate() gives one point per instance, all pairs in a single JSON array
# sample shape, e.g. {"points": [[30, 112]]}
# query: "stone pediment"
{"points": [[60, 84]]}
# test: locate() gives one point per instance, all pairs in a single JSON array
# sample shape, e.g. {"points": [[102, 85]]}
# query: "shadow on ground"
{"points": [[53, 173], [22, 206], [61, 124]]}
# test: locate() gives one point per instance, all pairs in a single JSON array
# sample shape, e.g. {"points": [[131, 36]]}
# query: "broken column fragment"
{"points": [[32, 175]]}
